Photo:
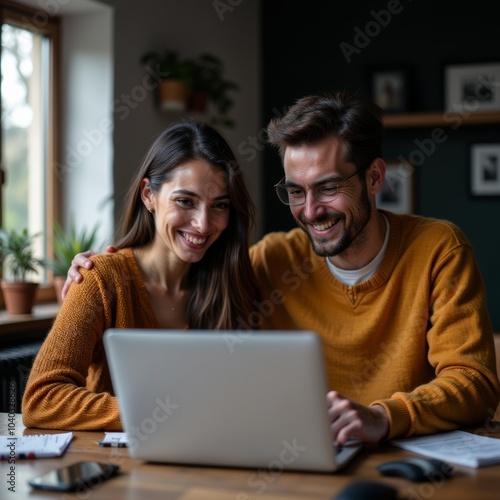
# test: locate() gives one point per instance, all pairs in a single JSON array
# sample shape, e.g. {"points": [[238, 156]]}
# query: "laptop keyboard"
{"points": [[347, 451]]}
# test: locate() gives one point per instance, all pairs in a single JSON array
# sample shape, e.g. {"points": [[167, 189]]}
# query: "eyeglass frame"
{"points": [[314, 189]]}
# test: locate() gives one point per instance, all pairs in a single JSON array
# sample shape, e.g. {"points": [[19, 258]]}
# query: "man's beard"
{"points": [[352, 238]]}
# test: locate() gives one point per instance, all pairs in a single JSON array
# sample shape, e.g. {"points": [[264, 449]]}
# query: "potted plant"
{"points": [[202, 82], [66, 245], [209, 85], [16, 251], [175, 74]]}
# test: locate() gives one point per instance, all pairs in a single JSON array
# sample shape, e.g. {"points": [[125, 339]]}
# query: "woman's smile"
{"points": [[193, 241]]}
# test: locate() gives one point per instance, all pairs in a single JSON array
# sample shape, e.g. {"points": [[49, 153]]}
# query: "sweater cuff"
{"points": [[399, 418]]}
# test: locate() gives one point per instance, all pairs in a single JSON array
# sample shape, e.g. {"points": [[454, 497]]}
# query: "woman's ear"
{"points": [[147, 194], [376, 176]]}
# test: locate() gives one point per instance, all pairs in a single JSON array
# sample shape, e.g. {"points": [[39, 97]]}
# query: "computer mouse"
{"points": [[367, 490], [417, 469]]}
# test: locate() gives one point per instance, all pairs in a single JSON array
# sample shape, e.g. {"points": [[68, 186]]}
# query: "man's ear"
{"points": [[375, 176]]}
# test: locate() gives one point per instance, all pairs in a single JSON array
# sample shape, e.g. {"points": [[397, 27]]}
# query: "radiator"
{"points": [[15, 366]]}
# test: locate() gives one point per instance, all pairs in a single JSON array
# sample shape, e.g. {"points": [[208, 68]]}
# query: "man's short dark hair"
{"points": [[352, 118]]}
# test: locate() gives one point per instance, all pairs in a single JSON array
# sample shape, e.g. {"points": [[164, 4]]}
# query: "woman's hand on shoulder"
{"points": [[80, 260]]}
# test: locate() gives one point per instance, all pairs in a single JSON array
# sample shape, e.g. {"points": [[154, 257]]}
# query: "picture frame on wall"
{"points": [[485, 170], [398, 191], [472, 87], [389, 88]]}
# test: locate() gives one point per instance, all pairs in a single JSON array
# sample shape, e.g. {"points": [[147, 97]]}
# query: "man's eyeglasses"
{"points": [[293, 195]]}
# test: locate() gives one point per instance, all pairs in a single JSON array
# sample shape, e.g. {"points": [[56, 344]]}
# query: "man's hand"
{"points": [[80, 260], [349, 418]]}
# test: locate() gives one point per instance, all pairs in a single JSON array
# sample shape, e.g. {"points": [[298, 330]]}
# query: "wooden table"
{"points": [[143, 481]]}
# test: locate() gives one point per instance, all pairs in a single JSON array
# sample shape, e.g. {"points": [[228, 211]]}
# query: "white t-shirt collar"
{"points": [[354, 276]]}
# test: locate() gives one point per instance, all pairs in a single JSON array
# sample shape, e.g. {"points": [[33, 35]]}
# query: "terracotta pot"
{"points": [[19, 297], [173, 95]]}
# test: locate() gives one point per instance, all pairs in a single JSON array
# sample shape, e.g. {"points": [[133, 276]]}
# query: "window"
{"points": [[28, 192]]}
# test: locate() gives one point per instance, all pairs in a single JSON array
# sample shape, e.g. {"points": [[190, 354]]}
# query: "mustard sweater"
{"points": [[415, 338], [69, 386]]}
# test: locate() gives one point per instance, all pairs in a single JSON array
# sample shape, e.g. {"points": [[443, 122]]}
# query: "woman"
{"points": [[182, 263]]}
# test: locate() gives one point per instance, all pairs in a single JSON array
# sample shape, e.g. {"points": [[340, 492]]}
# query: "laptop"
{"points": [[225, 398]]}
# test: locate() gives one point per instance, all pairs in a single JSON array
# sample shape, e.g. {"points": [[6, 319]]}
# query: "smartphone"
{"points": [[78, 476]]}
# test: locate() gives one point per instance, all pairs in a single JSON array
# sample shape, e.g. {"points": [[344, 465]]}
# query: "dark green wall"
{"points": [[302, 55]]}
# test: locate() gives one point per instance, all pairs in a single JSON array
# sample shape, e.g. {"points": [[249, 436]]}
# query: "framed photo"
{"points": [[472, 87], [398, 191], [485, 170], [389, 88]]}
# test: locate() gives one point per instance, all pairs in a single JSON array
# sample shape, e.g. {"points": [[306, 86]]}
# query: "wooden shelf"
{"points": [[440, 119]]}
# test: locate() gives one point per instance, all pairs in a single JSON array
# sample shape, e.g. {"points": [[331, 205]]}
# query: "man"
{"points": [[398, 300]]}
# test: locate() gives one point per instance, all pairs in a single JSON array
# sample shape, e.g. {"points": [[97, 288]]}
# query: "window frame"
{"points": [[39, 20]]}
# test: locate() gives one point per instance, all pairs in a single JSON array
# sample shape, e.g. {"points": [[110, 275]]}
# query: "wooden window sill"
{"points": [[20, 328]]}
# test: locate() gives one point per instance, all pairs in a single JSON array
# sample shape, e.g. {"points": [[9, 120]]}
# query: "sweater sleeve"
{"points": [[57, 394], [465, 390]]}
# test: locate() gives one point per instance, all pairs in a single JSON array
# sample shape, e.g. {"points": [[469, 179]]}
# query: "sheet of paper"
{"points": [[456, 447], [118, 439], [34, 446]]}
